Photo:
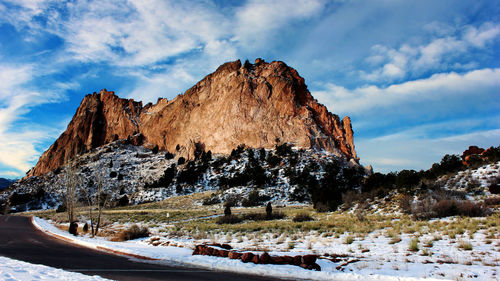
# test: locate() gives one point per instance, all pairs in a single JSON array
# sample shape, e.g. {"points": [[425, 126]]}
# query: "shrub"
{"points": [[231, 219], [493, 201], [165, 180], [73, 228], [413, 245], [155, 149], [211, 201], [335, 182], [181, 160], [445, 208], [472, 209], [253, 199], [123, 201], [191, 173], [262, 216], [227, 210], [348, 239], [465, 246], [494, 185], [61, 208], [284, 149], [407, 179], [273, 160], [133, 232], [232, 200], [169, 155], [269, 209], [302, 217]]}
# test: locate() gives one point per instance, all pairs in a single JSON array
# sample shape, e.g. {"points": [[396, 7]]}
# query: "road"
{"points": [[20, 240]]}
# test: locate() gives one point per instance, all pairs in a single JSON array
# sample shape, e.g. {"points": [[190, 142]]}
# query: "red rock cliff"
{"points": [[252, 104]]}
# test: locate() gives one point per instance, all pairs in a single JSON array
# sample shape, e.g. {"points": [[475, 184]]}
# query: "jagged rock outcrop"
{"points": [[252, 104]]}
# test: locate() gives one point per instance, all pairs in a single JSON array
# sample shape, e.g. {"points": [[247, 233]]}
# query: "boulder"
{"points": [[265, 258], [247, 257], [309, 259], [234, 255]]}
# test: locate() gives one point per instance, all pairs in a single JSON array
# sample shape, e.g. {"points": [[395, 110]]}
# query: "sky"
{"points": [[419, 79]]}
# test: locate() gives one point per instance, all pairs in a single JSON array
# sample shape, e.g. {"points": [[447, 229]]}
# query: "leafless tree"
{"points": [[73, 182], [97, 194]]}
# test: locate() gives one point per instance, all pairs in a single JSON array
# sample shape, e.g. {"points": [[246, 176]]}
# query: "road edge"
{"points": [[88, 245]]}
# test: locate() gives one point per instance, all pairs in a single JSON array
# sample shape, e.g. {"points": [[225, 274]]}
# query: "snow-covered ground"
{"points": [[14, 270], [127, 169], [377, 258]]}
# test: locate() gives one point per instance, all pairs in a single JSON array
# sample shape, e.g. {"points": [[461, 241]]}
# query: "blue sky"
{"points": [[419, 79]]}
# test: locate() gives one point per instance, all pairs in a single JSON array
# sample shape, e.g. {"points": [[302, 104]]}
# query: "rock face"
{"points": [[252, 104]]}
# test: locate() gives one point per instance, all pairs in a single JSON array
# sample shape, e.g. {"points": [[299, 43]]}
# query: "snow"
{"points": [[12, 270], [133, 166], [182, 255]]}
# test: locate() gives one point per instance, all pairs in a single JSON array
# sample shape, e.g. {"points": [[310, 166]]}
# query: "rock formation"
{"points": [[252, 104]]}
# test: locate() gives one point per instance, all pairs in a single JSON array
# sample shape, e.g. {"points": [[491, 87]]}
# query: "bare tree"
{"points": [[73, 183], [97, 195]]}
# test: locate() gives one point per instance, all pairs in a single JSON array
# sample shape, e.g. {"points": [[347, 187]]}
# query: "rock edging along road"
{"points": [[21, 240]]}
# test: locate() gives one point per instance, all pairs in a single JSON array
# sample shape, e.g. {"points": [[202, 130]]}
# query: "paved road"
{"points": [[20, 240]]}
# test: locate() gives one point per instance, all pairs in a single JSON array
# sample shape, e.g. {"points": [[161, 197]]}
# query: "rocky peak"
{"points": [[252, 104]]}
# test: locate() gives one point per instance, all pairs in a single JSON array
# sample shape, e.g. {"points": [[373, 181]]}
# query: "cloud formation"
{"points": [[395, 67]]}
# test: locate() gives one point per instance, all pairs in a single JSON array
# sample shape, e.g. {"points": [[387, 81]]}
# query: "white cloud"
{"points": [[18, 146], [441, 53], [257, 20], [9, 174], [451, 88], [481, 36], [404, 151]]}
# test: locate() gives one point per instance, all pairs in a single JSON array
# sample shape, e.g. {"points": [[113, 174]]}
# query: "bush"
{"points": [[445, 208], [165, 180], [302, 217], [155, 149], [472, 209], [492, 201], [494, 185], [169, 155], [263, 216], [327, 196], [123, 201], [227, 210], [86, 228], [253, 199], [133, 232], [269, 209], [449, 207], [407, 179], [191, 173], [181, 160], [211, 201], [61, 208], [73, 228], [231, 200], [284, 149], [273, 160], [231, 219], [413, 245]]}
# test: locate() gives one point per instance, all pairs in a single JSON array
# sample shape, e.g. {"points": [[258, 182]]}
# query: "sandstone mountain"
{"points": [[252, 104]]}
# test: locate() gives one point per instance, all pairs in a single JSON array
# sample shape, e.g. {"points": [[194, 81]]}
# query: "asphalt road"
{"points": [[20, 240]]}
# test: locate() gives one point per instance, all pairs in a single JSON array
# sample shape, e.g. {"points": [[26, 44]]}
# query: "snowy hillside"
{"points": [[138, 175]]}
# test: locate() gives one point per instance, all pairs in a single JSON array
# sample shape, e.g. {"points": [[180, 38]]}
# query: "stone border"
{"points": [[225, 251]]}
